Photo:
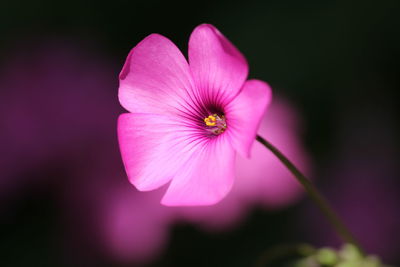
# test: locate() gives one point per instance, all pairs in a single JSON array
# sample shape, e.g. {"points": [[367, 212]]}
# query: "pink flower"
{"points": [[187, 121]]}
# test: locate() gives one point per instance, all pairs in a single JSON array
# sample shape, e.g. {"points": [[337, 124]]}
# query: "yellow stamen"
{"points": [[210, 120]]}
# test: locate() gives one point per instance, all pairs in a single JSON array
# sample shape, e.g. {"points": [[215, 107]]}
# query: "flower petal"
{"points": [[218, 68], [155, 78], [153, 148], [244, 114], [206, 177]]}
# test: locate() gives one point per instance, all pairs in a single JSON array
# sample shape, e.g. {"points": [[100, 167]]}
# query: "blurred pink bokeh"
{"points": [[54, 98], [363, 184]]}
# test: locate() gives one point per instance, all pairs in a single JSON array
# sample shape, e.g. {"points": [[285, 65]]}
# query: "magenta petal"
{"points": [[218, 68], [206, 178], [155, 77], [245, 113], [153, 148]]}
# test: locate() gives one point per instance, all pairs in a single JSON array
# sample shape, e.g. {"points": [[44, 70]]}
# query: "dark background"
{"points": [[338, 61]]}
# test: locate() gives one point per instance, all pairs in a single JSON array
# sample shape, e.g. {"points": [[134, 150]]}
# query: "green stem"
{"points": [[315, 195]]}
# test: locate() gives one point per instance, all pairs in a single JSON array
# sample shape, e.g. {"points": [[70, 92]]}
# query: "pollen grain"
{"points": [[210, 120]]}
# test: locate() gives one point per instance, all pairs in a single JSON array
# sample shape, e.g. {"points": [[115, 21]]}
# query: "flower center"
{"points": [[215, 123]]}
